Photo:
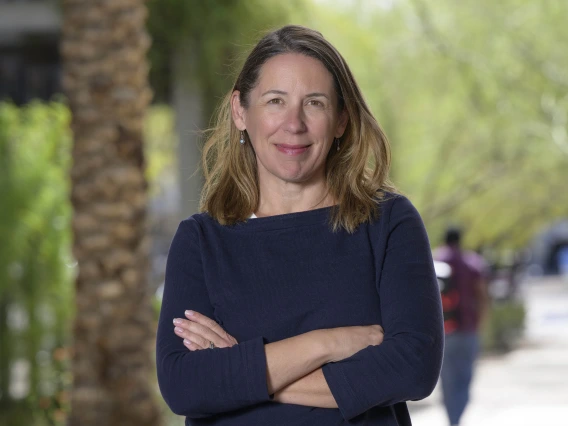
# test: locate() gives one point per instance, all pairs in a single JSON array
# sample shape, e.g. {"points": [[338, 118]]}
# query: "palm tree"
{"points": [[104, 45]]}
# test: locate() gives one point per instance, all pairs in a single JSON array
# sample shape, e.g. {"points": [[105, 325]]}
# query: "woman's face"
{"points": [[292, 119]]}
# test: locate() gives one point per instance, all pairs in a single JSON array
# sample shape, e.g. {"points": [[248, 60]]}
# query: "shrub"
{"points": [[503, 326]]}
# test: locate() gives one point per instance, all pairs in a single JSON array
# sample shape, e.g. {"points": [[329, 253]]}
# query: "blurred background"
{"points": [[473, 96]]}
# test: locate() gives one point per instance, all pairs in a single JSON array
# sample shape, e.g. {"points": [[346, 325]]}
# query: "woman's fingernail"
{"points": [[177, 321], [178, 330], [189, 313], [187, 342]]}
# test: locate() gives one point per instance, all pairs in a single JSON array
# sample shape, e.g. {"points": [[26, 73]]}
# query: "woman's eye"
{"points": [[275, 101], [315, 103]]}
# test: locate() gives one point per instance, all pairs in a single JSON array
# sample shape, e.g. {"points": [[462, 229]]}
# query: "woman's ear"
{"points": [[238, 111], [342, 121]]}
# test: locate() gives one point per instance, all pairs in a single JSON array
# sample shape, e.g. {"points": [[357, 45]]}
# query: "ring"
{"points": [[211, 345]]}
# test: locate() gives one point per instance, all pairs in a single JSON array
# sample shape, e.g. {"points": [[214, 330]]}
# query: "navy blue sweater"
{"points": [[272, 278]]}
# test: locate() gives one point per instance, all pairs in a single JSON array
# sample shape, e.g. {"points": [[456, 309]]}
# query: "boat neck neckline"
{"points": [[283, 215], [320, 215]]}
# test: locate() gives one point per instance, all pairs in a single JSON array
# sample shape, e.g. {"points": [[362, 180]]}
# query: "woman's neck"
{"points": [[293, 198]]}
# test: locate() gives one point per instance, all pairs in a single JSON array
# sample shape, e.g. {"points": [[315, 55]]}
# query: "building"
{"points": [[29, 56]]}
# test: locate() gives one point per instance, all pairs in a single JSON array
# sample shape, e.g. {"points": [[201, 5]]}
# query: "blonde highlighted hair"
{"points": [[357, 175]]}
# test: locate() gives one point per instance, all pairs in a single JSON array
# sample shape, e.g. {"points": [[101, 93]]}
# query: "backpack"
{"points": [[450, 296]]}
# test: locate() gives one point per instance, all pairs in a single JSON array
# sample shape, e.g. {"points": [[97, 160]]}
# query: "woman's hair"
{"points": [[357, 174]]}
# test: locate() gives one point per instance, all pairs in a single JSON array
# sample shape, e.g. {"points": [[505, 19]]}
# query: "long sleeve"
{"points": [[201, 383], [407, 364]]}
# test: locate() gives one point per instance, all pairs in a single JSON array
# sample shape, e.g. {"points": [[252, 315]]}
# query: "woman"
{"points": [[303, 255]]}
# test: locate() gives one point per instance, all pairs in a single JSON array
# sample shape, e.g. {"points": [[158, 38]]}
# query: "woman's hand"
{"points": [[199, 331], [347, 341]]}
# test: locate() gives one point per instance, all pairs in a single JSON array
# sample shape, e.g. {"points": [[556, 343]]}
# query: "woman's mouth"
{"points": [[292, 149]]}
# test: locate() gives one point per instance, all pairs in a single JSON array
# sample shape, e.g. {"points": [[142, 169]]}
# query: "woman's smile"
{"points": [[292, 150]]}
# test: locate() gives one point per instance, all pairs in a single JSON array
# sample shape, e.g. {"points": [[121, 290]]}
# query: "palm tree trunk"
{"points": [[104, 45]]}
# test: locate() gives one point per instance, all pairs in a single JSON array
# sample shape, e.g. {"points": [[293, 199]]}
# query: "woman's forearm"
{"points": [[309, 351], [311, 390], [290, 359]]}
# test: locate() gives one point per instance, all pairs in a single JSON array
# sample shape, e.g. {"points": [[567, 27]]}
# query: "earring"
{"points": [[337, 141], [242, 141]]}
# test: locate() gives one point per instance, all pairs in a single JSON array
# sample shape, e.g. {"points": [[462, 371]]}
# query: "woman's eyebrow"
{"points": [[316, 94], [282, 92], [274, 92]]}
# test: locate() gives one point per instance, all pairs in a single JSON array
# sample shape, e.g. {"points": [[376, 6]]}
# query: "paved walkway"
{"points": [[528, 386]]}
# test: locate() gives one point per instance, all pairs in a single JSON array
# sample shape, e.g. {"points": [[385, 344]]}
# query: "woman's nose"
{"points": [[295, 120]]}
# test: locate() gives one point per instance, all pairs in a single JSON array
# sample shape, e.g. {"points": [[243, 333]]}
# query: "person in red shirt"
{"points": [[468, 300]]}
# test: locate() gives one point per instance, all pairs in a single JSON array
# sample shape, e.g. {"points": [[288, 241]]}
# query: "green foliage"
{"points": [[160, 147], [503, 327], [36, 268]]}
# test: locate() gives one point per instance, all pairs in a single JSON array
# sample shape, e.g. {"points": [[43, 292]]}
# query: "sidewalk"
{"points": [[528, 386]]}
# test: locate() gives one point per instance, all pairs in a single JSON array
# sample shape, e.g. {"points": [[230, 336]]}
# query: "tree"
{"points": [[104, 45]]}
